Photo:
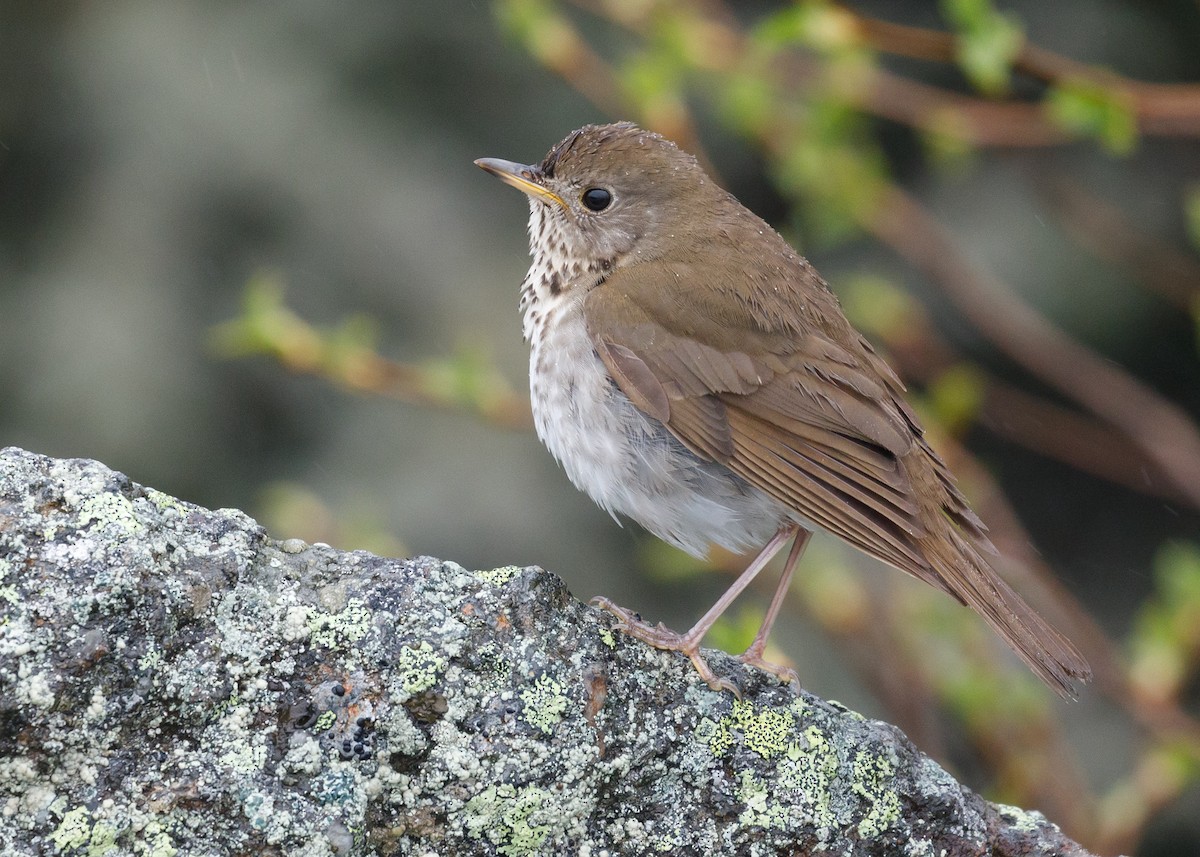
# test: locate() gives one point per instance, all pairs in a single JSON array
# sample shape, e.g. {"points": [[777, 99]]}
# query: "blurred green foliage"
{"points": [[1164, 645], [988, 42], [1090, 110], [347, 355]]}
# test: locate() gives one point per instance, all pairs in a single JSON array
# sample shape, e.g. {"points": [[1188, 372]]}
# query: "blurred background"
{"points": [[245, 259]]}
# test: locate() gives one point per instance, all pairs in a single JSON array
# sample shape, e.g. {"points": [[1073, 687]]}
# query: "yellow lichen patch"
{"points": [[347, 626], [110, 509], [506, 814], [418, 667], [544, 703], [499, 576], [74, 830], [873, 780]]}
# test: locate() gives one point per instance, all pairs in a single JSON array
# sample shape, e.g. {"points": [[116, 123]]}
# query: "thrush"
{"points": [[691, 371]]}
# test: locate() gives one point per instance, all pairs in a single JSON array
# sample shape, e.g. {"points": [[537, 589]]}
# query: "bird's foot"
{"points": [[661, 637], [753, 657]]}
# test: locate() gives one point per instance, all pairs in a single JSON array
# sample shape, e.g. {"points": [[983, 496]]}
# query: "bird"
{"points": [[691, 371]]}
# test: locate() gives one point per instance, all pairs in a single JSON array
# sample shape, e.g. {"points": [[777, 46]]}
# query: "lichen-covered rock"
{"points": [[173, 682]]}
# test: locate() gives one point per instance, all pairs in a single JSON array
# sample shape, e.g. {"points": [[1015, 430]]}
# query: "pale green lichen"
{"points": [[418, 667], [807, 771], [109, 509], [332, 630], [153, 658], [163, 501], [326, 720], [102, 840], [669, 843], [873, 776], [158, 842], [607, 636], [74, 830], [545, 703], [1022, 819], [766, 732], [499, 576], [759, 808], [503, 814], [244, 758], [714, 733]]}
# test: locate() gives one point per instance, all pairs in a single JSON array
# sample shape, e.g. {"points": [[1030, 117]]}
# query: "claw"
{"points": [[661, 637], [752, 657], [787, 675]]}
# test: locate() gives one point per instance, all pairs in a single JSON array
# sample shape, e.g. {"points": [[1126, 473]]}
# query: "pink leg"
{"points": [[753, 655], [662, 637]]}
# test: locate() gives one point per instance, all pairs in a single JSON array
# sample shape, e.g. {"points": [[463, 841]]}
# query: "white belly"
{"points": [[628, 462]]}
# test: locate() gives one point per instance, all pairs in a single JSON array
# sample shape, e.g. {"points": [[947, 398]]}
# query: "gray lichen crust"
{"points": [[173, 682]]}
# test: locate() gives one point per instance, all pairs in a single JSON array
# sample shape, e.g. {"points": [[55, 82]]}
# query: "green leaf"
{"points": [[733, 633], [1091, 110], [647, 76], [955, 397], [947, 140], [817, 24], [833, 173], [1165, 642], [875, 305], [748, 102], [988, 42], [966, 14]]}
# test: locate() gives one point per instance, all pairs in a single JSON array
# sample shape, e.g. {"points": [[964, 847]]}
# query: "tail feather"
{"points": [[1050, 655], [954, 549]]}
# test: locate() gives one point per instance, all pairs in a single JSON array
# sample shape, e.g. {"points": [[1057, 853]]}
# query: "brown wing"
{"points": [[818, 424], [776, 385]]}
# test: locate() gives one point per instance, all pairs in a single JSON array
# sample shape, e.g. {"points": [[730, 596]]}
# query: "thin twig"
{"points": [[1036, 423], [1161, 429], [1171, 110], [1102, 228]]}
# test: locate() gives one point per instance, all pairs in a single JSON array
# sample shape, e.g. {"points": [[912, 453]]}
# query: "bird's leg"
{"points": [[753, 655], [662, 637]]}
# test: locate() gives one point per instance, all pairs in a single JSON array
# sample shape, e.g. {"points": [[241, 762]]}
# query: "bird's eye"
{"points": [[596, 198]]}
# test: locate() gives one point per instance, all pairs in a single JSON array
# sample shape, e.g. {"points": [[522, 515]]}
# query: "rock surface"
{"points": [[174, 682]]}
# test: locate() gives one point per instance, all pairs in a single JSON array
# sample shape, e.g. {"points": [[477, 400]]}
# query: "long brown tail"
{"points": [[954, 545], [972, 580]]}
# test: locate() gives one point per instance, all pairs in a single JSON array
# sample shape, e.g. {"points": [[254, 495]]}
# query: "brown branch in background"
{"points": [[1039, 425], [1103, 229], [1072, 438], [346, 356], [1171, 110], [1161, 429], [981, 123], [1159, 109], [556, 43], [940, 46], [419, 385]]}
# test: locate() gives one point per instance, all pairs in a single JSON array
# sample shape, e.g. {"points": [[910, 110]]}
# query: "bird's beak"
{"points": [[521, 176]]}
